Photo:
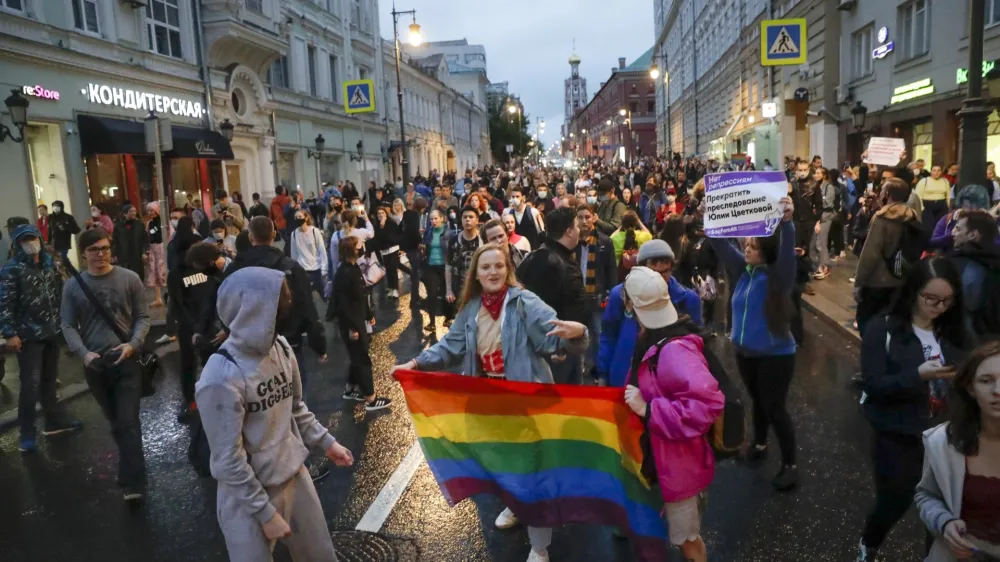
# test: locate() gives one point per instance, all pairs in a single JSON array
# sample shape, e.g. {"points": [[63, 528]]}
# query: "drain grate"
{"points": [[360, 546]]}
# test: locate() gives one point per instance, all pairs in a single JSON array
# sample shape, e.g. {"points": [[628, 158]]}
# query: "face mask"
{"points": [[671, 198], [56, 209], [219, 235], [591, 199], [299, 222], [515, 201], [543, 194], [32, 248], [173, 223], [451, 216], [358, 208], [338, 208], [802, 175], [602, 198], [95, 214]]}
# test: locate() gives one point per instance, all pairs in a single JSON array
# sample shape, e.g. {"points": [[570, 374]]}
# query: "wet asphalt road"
{"points": [[62, 503]]}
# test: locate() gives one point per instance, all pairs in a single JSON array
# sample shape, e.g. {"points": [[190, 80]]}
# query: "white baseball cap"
{"points": [[650, 297]]}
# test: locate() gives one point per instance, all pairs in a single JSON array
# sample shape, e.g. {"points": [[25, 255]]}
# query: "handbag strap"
{"points": [[101, 311]]}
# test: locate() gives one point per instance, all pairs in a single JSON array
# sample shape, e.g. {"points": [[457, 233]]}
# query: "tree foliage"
{"points": [[504, 130]]}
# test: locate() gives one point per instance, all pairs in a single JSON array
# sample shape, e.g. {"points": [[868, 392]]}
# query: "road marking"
{"points": [[387, 498]]}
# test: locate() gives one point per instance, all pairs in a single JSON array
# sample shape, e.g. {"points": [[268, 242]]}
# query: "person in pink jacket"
{"points": [[679, 400]]}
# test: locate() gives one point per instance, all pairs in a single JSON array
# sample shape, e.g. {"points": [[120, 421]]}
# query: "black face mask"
{"points": [[338, 208], [299, 222]]}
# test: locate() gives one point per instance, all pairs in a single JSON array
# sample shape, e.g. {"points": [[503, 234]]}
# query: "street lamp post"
{"points": [[415, 40], [17, 105], [316, 155], [513, 108], [627, 113], [974, 112]]}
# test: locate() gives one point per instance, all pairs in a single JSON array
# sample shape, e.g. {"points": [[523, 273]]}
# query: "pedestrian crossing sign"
{"points": [[783, 42], [359, 96]]}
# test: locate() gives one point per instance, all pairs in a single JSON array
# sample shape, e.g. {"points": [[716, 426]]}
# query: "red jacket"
{"points": [[278, 211]]}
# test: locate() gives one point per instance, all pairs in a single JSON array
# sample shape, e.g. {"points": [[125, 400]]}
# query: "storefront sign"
{"points": [[40, 92], [883, 34], [743, 203], [141, 101], [204, 149], [769, 110], [911, 91], [989, 66]]}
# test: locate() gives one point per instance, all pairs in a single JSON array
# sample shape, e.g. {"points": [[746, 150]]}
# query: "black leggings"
{"points": [[391, 263], [433, 278], [359, 373], [898, 460], [767, 380]]}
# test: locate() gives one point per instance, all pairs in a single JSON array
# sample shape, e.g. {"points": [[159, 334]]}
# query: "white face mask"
{"points": [[515, 201], [56, 209], [671, 198], [543, 194], [32, 248], [591, 199], [451, 216], [95, 214], [173, 223], [219, 236]]}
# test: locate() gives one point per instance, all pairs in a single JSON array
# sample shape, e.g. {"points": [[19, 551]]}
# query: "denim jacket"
{"points": [[525, 345]]}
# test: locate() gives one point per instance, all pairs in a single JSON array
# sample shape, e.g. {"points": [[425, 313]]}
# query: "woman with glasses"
{"points": [[907, 359]]}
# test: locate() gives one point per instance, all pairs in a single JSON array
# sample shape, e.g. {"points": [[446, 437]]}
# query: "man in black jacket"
{"points": [[412, 232], [62, 228], [977, 259], [552, 273]]}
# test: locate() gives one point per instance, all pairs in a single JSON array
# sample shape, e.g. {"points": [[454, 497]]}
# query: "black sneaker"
{"points": [[756, 454], [377, 404], [786, 479], [352, 394], [430, 328], [63, 427], [318, 471]]}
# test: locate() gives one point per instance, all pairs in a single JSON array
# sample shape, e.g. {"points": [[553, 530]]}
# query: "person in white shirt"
{"points": [[350, 218], [309, 250]]}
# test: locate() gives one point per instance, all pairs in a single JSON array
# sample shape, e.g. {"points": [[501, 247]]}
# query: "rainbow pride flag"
{"points": [[555, 454]]}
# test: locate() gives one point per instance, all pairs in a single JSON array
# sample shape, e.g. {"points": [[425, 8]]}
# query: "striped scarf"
{"points": [[591, 280]]}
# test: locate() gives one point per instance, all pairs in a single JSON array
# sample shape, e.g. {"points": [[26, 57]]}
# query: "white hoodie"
{"points": [[252, 411], [308, 249]]}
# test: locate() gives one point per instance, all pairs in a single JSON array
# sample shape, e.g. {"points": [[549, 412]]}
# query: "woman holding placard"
{"points": [[765, 349]]}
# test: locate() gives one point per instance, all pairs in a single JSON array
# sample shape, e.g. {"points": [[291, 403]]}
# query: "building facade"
{"points": [[766, 113], [914, 90], [600, 130], [446, 130]]}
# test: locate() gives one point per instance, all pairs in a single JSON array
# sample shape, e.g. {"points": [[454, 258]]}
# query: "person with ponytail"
{"points": [[627, 241], [765, 349]]}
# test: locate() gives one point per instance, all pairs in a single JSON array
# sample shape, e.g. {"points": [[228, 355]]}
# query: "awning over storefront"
{"points": [[104, 135]]}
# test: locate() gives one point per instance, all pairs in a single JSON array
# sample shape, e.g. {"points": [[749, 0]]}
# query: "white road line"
{"points": [[387, 498]]}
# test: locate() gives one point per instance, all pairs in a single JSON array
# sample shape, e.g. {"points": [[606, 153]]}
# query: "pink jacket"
{"points": [[684, 400]]}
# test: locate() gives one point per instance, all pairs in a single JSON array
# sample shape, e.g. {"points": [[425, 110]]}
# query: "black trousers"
{"points": [[117, 390], [38, 362], [837, 235], [415, 271], [359, 372], [874, 301], [391, 263], [433, 276], [933, 211], [898, 462], [190, 355], [767, 380]]}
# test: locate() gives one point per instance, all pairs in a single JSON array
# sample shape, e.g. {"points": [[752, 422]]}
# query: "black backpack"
{"points": [[907, 253], [728, 435]]}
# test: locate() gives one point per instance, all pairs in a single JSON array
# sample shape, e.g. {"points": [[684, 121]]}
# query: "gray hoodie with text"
{"points": [[252, 411]]}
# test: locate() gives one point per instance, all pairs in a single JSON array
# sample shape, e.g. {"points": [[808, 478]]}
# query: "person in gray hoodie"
{"points": [[958, 494], [259, 428]]}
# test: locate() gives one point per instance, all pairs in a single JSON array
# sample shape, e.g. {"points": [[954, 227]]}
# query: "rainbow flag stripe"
{"points": [[555, 454]]}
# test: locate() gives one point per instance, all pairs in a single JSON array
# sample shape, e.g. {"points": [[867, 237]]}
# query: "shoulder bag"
{"points": [[149, 362]]}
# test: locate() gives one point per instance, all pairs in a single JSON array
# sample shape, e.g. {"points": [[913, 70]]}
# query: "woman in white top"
{"points": [[309, 250], [350, 219]]}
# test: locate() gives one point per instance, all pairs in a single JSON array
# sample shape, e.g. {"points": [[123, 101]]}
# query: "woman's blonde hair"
{"points": [[473, 288]]}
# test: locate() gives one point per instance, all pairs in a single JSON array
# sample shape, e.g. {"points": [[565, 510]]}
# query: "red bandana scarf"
{"points": [[493, 302]]}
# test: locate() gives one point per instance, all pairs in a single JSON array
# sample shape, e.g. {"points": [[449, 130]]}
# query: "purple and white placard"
{"points": [[743, 204]]}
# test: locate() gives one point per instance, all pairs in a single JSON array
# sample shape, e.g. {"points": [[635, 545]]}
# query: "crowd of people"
{"points": [[602, 275]]}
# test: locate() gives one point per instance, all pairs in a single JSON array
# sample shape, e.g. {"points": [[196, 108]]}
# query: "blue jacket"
{"points": [[750, 335], [647, 214], [30, 293], [619, 330], [524, 342]]}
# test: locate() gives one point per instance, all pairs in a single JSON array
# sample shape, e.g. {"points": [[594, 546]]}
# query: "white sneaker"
{"points": [[850, 280], [165, 339], [536, 556], [507, 520]]}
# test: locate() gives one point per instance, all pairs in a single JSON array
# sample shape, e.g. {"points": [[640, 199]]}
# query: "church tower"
{"points": [[575, 89]]}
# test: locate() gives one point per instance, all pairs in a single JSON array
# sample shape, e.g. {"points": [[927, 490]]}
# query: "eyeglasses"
{"points": [[933, 300], [99, 250]]}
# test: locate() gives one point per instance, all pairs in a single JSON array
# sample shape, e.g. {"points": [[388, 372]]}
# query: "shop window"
{"points": [[993, 138], [286, 170], [106, 182], [16, 5], [163, 29], [914, 30], [277, 75], [185, 185], [85, 16], [923, 143], [145, 169], [861, 52]]}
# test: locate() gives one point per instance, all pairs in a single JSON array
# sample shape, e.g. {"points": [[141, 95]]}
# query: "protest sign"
{"points": [[743, 204], [885, 151]]}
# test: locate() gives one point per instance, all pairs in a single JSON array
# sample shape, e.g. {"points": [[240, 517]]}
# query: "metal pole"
{"points": [[158, 162], [319, 184], [364, 161], [404, 160], [972, 147]]}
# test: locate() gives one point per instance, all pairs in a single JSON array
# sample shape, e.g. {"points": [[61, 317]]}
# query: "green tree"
{"points": [[504, 130]]}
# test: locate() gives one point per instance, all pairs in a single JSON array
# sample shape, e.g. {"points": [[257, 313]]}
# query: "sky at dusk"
{"points": [[528, 43]]}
